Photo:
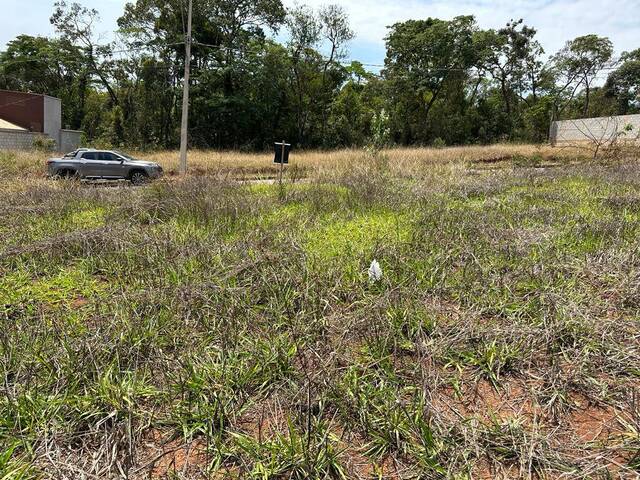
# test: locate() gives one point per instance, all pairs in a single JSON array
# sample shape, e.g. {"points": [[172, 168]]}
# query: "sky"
{"points": [[556, 20]]}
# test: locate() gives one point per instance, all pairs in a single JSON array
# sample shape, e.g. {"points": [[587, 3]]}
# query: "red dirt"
{"points": [[164, 456], [79, 302], [591, 423], [481, 400], [263, 421]]}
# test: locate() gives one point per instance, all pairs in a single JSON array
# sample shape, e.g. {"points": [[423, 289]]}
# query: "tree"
{"points": [[511, 55], [75, 24], [579, 63], [238, 22], [358, 73], [304, 35], [337, 32], [444, 81], [228, 41], [354, 108], [423, 56], [624, 83]]}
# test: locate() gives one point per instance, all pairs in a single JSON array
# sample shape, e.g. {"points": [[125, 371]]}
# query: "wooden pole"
{"points": [[185, 95]]}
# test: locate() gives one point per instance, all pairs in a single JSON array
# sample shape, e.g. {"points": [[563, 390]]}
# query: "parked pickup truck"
{"points": [[103, 164]]}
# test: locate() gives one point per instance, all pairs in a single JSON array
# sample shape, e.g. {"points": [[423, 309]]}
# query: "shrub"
{"points": [[44, 144], [528, 161], [439, 143], [380, 132]]}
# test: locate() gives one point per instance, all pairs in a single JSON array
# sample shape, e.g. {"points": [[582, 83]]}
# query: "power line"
{"points": [[147, 47], [107, 54]]}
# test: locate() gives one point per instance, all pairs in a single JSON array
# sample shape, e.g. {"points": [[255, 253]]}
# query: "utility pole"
{"points": [[185, 96]]}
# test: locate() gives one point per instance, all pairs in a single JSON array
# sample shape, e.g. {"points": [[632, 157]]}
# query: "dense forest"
{"points": [[443, 82]]}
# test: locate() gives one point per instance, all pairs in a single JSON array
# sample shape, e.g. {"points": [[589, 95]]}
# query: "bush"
{"points": [[380, 133], [439, 143], [528, 161], [44, 144]]}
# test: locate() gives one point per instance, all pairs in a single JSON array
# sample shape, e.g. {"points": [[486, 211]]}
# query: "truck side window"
{"points": [[109, 157], [90, 156]]}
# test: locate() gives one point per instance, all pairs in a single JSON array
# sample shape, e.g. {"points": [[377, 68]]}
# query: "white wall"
{"points": [[599, 129], [69, 140]]}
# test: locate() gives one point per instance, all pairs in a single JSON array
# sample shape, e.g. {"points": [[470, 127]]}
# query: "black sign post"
{"points": [[282, 157]]}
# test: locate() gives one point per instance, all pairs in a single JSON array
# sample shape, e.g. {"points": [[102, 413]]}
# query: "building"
{"points": [[26, 116]]}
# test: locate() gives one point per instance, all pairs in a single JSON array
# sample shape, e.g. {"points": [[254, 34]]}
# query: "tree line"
{"points": [[444, 82]]}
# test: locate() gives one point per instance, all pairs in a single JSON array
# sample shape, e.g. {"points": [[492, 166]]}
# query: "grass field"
{"points": [[210, 328]]}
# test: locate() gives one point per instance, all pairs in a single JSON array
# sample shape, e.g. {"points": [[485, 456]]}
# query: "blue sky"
{"points": [[556, 20]]}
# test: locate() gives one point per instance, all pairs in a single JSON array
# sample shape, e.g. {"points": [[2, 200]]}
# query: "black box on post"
{"points": [[282, 155]]}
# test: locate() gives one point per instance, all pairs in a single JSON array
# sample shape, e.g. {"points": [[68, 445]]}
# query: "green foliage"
{"points": [[623, 84], [416, 81], [439, 143], [47, 65], [13, 469], [380, 132], [492, 360], [59, 289], [394, 418], [512, 55], [116, 127], [117, 393], [349, 245], [297, 455], [44, 144], [579, 62], [217, 385]]}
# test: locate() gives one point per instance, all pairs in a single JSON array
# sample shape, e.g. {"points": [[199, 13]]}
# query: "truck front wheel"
{"points": [[138, 177]]}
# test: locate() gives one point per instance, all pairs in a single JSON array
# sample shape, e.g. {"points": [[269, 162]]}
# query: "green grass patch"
{"points": [[59, 288], [346, 244]]}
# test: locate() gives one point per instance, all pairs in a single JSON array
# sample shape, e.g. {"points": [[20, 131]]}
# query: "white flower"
{"points": [[375, 272]]}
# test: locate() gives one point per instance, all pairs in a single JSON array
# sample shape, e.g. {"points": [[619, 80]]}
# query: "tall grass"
{"points": [[238, 164]]}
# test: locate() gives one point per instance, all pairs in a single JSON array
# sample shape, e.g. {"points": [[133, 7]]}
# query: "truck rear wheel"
{"points": [[66, 174]]}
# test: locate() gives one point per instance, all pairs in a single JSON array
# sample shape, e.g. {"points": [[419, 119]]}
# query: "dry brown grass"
{"points": [[400, 158], [260, 165]]}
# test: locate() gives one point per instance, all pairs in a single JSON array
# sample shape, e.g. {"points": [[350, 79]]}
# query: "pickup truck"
{"points": [[88, 163]]}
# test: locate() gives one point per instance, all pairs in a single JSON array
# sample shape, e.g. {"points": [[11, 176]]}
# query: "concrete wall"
{"points": [[601, 129], [69, 140], [22, 140], [52, 118], [16, 139]]}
